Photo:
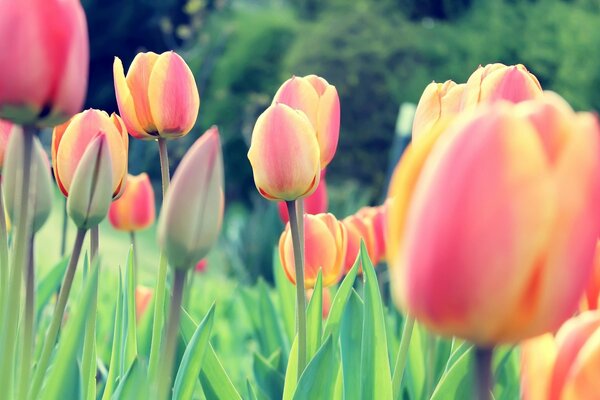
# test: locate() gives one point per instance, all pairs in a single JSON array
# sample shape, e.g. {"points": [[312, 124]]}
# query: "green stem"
{"points": [[409, 324], [161, 282], [13, 304], [88, 363], [3, 253], [483, 372], [57, 317], [135, 259], [167, 361], [300, 296], [28, 339], [63, 236]]}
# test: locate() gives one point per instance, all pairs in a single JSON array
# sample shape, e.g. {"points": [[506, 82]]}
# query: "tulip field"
{"points": [[477, 277]]}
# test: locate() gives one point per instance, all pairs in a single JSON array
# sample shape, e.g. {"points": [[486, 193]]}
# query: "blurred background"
{"points": [[380, 54]]}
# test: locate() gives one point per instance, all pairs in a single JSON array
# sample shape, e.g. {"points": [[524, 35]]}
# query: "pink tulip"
{"points": [[44, 60], [201, 266], [439, 100], [135, 209]]}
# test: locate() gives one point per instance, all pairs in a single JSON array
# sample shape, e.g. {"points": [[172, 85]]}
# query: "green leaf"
{"points": [[415, 368], [268, 378], [88, 356], [251, 393], [457, 382], [287, 296], [350, 341], [64, 375], [191, 363], [314, 318], [48, 285], [128, 333], [144, 329], [332, 326], [457, 352], [319, 378], [133, 384], [291, 372], [115, 354], [269, 328]]}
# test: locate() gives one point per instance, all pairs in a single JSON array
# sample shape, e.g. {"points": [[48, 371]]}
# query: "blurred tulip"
{"points": [[71, 139], [143, 295], [565, 366], [135, 209], [91, 193], [506, 202], [324, 249], [44, 60], [326, 300], [158, 97], [284, 154], [319, 100], [500, 82], [42, 181], [6, 129], [201, 266], [592, 292], [358, 230], [314, 204], [437, 101], [192, 213], [374, 219]]}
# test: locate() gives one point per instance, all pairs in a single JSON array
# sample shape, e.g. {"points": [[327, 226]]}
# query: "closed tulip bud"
{"points": [[44, 60], [319, 100], [500, 82], [325, 248], [358, 231], [507, 202], [565, 366], [314, 204], [284, 154], [6, 129], [41, 181], [439, 100], [158, 98], [192, 213], [135, 209], [591, 296], [71, 139], [91, 194]]}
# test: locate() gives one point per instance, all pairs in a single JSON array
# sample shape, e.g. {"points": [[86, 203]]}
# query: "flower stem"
{"points": [[483, 372], [88, 363], [161, 282], [3, 253], [409, 324], [57, 317], [297, 236], [63, 240], [19, 254], [164, 383], [135, 259], [28, 338]]}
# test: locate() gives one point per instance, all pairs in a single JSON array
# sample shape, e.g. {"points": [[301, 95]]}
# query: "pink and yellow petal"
{"points": [[328, 124], [138, 81], [126, 104], [537, 362], [299, 94]]}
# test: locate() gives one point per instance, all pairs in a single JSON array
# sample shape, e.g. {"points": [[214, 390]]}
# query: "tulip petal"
{"points": [[537, 361], [138, 81], [126, 104], [299, 94], [328, 124], [582, 382]]}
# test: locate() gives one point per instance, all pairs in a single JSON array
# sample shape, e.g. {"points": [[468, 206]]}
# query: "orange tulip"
{"points": [[325, 247], [314, 204], [565, 366], [143, 295], [358, 229], [6, 129], [506, 202], [374, 219], [44, 60], [437, 101], [158, 97], [71, 139], [134, 210], [284, 154], [319, 100]]}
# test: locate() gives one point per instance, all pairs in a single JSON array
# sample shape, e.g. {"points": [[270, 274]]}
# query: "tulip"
{"points": [[374, 219], [319, 100], [201, 266], [437, 101], [6, 129], [44, 60], [143, 295], [358, 230], [325, 248], [314, 204], [284, 154], [192, 213], [500, 82], [565, 366], [71, 139], [592, 291], [134, 210], [492, 226], [158, 98]]}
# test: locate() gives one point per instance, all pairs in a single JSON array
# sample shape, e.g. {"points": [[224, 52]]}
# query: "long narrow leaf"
{"points": [[350, 340], [318, 379], [129, 333], [291, 372], [314, 318], [115, 355], [286, 294], [332, 326]]}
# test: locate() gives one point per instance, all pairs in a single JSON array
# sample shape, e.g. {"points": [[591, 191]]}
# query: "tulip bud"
{"points": [[192, 213], [314, 204], [507, 202], [71, 139], [135, 209], [284, 154], [358, 231], [44, 60], [158, 97], [439, 100], [40, 184], [565, 366], [319, 100], [6, 129], [91, 187], [325, 248]]}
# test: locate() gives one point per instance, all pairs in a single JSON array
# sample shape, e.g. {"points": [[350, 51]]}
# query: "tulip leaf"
{"points": [[115, 354], [144, 329], [456, 353], [132, 385], [332, 326], [287, 297], [415, 368], [251, 392], [48, 285], [88, 356], [318, 379], [128, 330], [64, 374], [350, 340], [191, 362], [314, 318], [376, 377], [268, 378], [291, 372], [457, 382]]}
